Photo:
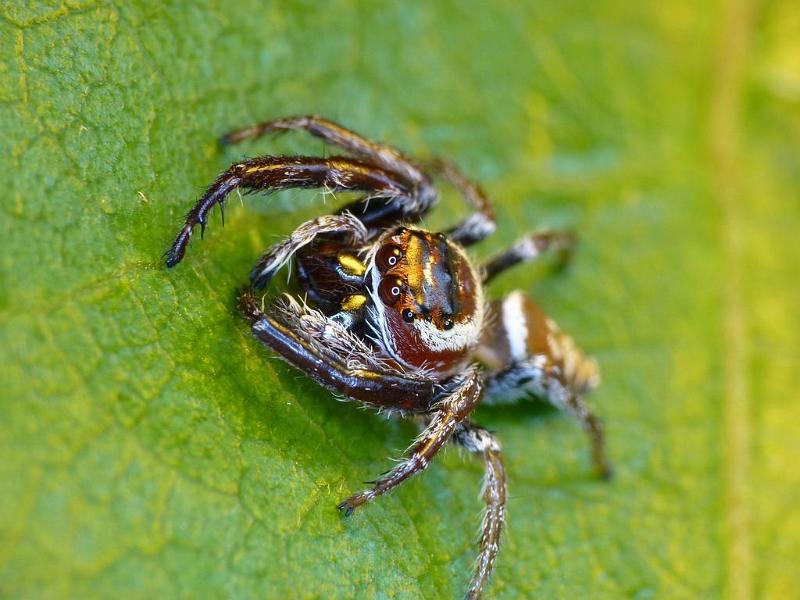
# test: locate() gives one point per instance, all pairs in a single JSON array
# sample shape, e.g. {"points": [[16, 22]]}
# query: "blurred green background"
{"points": [[149, 447]]}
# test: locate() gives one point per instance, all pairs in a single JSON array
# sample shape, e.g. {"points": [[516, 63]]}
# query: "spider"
{"points": [[393, 316]]}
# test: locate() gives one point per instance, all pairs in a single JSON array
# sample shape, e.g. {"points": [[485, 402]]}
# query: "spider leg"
{"points": [[443, 420], [542, 379], [530, 248], [334, 358], [477, 440], [481, 223], [277, 256], [373, 212], [530, 356], [382, 155], [271, 173]]}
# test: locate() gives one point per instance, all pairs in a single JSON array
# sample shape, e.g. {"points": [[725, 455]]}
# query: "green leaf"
{"points": [[150, 447]]}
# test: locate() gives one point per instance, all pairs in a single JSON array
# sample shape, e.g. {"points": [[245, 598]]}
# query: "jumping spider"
{"points": [[393, 316]]}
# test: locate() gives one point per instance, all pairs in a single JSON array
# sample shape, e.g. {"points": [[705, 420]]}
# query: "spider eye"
{"points": [[390, 290], [408, 315], [448, 324], [388, 257]]}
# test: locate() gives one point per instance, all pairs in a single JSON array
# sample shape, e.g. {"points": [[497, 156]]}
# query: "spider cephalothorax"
{"points": [[427, 299], [393, 316]]}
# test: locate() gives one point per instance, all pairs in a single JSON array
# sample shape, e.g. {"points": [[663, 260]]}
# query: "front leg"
{"points": [[273, 173], [375, 213], [333, 357], [446, 415], [380, 154]]}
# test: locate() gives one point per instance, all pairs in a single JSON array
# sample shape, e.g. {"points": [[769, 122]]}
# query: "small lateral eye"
{"points": [[448, 324], [388, 257], [408, 315], [390, 290]]}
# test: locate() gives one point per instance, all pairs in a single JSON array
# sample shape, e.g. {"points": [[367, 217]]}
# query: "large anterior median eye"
{"points": [[390, 290], [388, 257]]}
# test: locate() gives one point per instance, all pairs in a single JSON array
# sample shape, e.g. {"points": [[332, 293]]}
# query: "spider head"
{"points": [[428, 299]]}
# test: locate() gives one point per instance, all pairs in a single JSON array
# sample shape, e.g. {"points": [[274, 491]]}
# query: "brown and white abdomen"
{"points": [[519, 333]]}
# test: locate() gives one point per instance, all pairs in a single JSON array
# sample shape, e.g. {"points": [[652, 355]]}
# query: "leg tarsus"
{"points": [[412, 465], [594, 428], [198, 215], [346, 508], [560, 395]]}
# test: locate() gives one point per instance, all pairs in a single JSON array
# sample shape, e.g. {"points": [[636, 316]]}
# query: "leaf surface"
{"points": [[151, 448]]}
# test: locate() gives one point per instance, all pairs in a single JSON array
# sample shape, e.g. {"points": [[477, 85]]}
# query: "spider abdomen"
{"points": [[525, 337]]}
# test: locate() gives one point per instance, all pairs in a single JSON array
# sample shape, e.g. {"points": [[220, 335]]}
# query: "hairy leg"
{"points": [[479, 441], [270, 173], [334, 358], [538, 377], [443, 420], [530, 248], [380, 154]]}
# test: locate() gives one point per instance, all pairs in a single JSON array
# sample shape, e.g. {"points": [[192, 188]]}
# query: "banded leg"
{"points": [[382, 155], [479, 224], [334, 358], [477, 440], [530, 248], [277, 256], [540, 378], [449, 412], [271, 173]]}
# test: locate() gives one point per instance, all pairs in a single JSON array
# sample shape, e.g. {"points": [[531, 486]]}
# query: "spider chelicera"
{"points": [[393, 316]]}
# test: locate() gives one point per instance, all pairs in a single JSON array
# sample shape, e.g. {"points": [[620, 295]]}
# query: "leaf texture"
{"points": [[150, 448]]}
